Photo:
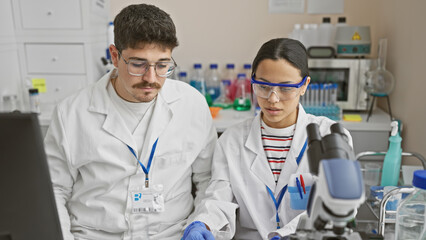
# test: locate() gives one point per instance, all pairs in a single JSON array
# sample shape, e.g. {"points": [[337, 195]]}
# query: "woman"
{"points": [[256, 163]]}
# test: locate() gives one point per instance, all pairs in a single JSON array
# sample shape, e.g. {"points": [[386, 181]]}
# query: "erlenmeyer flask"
{"points": [[380, 82]]}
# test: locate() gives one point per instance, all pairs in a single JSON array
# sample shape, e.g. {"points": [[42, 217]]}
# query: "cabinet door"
{"points": [[51, 14], [6, 20], [55, 58], [58, 87]]}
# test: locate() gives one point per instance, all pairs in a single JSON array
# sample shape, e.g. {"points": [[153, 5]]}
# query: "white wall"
{"points": [[403, 23], [232, 31], [223, 31]]}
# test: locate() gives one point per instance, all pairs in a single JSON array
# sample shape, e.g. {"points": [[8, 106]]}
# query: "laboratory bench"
{"points": [[367, 136]]}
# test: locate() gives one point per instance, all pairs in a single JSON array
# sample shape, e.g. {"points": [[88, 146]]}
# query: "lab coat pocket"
{"points": [[299, 188]]}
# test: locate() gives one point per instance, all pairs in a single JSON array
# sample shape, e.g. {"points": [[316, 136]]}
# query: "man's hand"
{"points": [[197, 231]]}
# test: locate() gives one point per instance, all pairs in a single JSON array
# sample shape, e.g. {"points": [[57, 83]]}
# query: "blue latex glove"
{"points": [[197, 231], [276, 238]]}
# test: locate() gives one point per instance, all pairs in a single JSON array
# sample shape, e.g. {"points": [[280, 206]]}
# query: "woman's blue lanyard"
{"points": [[151, 156], [277, 202]]}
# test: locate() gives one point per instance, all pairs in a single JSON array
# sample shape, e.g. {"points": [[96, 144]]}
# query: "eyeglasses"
{"points": [[285, 91], [137, 67]]}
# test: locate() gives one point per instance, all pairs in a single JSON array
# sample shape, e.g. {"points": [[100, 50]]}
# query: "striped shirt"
{"points": [[276, 144]]}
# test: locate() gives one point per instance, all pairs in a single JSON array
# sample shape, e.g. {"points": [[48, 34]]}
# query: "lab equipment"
{"points": [[325, 32], [354, 41], [411, 213], [223, 100], [110, 36], [380, 82], [110, 39], [349, 77], [34, 100], [377, 201], [213, 82], [392, 161], [197, 231], [338, 190], [183, 76], [242, 96], [28, 204], [197, 80], [321, 100], [11, 103], [228, 79], [247, 71]]}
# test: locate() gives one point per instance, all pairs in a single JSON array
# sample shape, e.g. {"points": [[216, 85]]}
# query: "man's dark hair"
{"points": [[290, 50], [144, 24]]}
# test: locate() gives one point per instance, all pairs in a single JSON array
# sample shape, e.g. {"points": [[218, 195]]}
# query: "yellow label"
{"points": [[356, 36], [40, 84], [352, 117]]}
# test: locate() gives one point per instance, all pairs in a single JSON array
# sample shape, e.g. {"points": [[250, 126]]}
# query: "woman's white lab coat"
{"points": [[240, 174], [93, 171]]}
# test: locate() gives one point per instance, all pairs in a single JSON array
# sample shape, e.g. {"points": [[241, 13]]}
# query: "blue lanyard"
{"points": [[151, 156], [277, 202]]}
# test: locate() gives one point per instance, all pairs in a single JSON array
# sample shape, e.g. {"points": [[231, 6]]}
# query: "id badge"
{"points": [[148, 200]]}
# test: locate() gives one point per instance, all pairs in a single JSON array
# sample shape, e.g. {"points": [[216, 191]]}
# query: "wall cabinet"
{"points": [[58, 41]]}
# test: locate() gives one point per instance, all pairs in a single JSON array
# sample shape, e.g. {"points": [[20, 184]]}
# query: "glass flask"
{"points": [[380, 82]]}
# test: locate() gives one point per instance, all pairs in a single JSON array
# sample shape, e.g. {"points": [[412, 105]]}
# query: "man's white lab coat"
{"points": [[93, 171]]}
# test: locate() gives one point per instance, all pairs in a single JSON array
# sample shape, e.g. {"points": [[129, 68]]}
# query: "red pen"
{"points": [[303, 184]]}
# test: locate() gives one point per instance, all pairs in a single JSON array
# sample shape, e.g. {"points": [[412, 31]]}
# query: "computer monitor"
{"points": [[27, 203]]}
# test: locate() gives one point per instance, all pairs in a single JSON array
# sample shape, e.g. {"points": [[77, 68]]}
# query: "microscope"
{"points": [[338, 190]]}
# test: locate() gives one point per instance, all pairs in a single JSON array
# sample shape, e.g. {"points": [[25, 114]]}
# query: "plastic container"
{"points": [[341, 21], [110, 39], [297, 32], [247, 70], [392, 161], [325, 33], [242, 98], [197, 78], [411, 213], [183, 76], [110, 32], [34, 100], [198, 82], [228, 78], [11, 103], [213, 82]]}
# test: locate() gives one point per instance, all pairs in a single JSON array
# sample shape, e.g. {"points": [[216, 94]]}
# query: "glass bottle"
{"points": [[411, 213], [34, 100], [213, 82], [242, 97]]}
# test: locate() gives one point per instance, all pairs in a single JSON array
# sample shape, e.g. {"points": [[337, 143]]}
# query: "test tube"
{"points": [[316, 99], [308, 95], [334, 94], [326, 94]]}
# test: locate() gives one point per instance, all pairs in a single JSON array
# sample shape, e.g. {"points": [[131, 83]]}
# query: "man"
{"points": [[124, 153]]}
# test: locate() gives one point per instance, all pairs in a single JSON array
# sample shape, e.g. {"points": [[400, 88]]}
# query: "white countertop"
{"points": [[379, 120]]}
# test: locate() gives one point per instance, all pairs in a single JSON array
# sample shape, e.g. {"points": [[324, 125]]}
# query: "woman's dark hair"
{"points": [[290, 50], [144, 24]]}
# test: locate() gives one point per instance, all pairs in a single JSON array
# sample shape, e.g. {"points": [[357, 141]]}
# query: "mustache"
{"points": [[147, 84]]}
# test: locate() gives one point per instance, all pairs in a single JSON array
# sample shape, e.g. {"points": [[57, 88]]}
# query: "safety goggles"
{"points": [[282, 90], [136, 67]]}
